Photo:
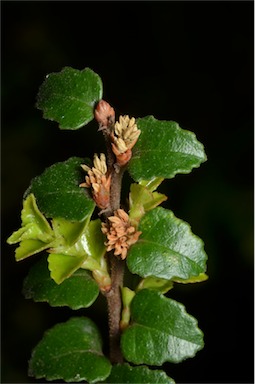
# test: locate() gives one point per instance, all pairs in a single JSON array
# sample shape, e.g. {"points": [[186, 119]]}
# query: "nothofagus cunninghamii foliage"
{"points": [[84, 257]]}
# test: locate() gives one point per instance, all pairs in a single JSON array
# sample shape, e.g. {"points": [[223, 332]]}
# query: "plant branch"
{"points": [[114, 304], [113, 297]]}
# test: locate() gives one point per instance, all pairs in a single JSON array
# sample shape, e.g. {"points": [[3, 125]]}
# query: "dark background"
{"points": [[191, 62]]}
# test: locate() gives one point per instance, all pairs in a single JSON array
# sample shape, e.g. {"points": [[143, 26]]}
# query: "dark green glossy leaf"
{"points": [[68, 97], [161, 330], [163, 150], [70, 351], [124, 373], [166, 248], [58, 193], [79, 291]]}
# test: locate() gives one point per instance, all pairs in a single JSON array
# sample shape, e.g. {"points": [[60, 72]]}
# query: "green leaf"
{"points": [[124, 373], [79, 291], [58, 193], [161, 330], [166, 248], [33, 224], [35, 233], [141, 200], [89, 246], [63, 266], [194, 279], [163, 150], [151, 282], [69, 97], [151, 184], [127, 297], [70, 351], [30, 247], [68, 231], [87, 252]]}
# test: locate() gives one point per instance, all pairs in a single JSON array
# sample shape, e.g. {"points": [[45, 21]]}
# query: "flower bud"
{"points": [[104, 114]]}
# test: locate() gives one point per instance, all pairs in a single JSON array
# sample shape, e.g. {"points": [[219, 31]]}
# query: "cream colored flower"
{"points": [[124, 137], [120, 233], [98, 180], [126, 133]]}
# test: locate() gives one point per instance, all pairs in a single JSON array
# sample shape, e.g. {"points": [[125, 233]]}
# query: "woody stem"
{"points": [[114, 305], [113, 297]]}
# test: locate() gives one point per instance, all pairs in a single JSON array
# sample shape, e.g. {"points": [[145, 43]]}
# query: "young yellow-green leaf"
{"points": [[58, 194], [30, 247], [127, 297], [151, 282], [151, 184], [166, 248], [35, 233], [69, 97], [89, 245], [142, 200], [33, 224], [67, 231], [161, 330], [70, 351], [63, 266], [79, 291], [87, 252], [194, 279], [163, 150], [125, 373]]}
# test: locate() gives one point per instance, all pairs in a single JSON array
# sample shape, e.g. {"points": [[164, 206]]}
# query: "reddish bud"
{"points": [[104, 113]]}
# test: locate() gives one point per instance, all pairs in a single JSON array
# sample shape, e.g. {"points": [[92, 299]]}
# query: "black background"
{"points": [[191, 62]]}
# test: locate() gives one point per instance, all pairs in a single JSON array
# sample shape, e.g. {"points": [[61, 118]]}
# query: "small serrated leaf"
{"points": [[125, 373], [33, 224], [68, 231], [58, 193], [194, 279], [163, 150], [63, 266], [142, 200], [86, 252], [161, 331], [70, 351], [30, 247], [151, 282], [35, 233], [79, 291], [68, 97], [166, 248], [151, 184]]}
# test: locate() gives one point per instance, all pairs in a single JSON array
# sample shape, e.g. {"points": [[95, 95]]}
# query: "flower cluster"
{"points": [[120, 233], [98, 180], [124, 137]]}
